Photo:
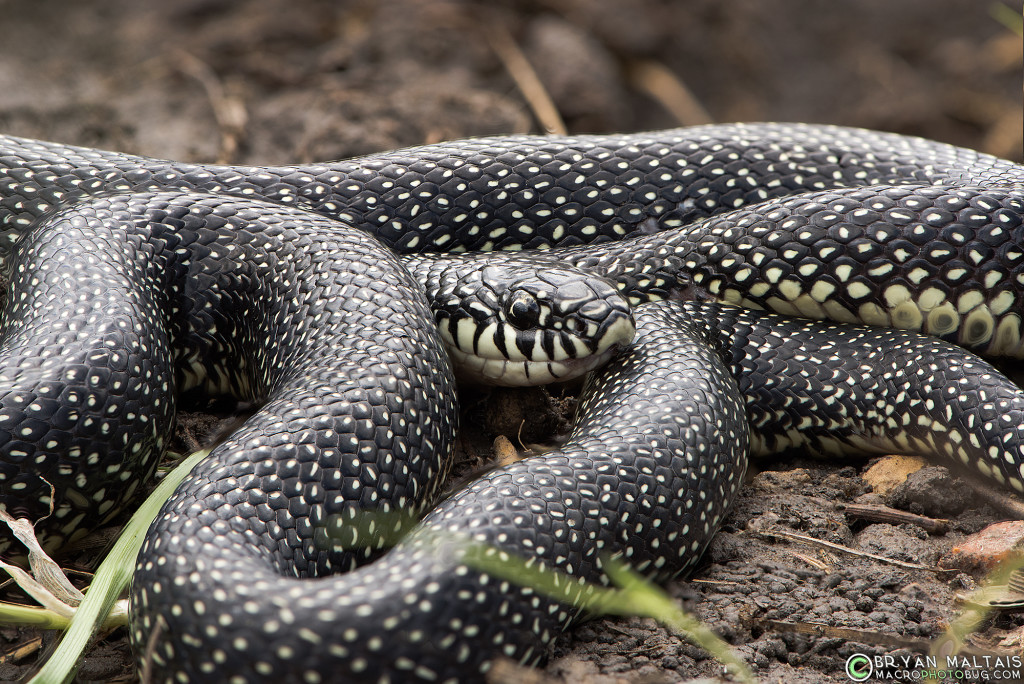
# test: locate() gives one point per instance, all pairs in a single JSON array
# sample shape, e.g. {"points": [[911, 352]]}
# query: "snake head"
{"points": [[530, 321]]}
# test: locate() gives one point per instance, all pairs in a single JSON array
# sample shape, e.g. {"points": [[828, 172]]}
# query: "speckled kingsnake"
{"points": [[132, 279]]}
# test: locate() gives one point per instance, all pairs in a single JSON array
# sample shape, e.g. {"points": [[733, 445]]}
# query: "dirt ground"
{"points": [[269, 81]]}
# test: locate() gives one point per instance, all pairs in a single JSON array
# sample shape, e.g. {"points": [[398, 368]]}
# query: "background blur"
{"points": [[273, 81]]}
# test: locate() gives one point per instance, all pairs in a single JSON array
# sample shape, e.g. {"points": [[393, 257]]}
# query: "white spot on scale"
{"points": [[991, 278], [858, 290], [969, 300], [896, 294], [821, 290], [930, 298], [790, 289]]}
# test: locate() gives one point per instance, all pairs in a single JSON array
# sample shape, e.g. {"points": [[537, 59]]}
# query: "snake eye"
{"points": [[523, 311]]}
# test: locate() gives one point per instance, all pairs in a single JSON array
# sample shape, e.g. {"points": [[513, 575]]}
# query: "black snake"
{"points": [[132, 280]]}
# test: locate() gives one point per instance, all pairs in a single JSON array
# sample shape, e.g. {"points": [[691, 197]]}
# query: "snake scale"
{"points": [[335, 294]]}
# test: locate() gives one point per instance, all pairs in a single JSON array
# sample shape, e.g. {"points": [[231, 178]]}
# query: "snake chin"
{"points": [[483, 371]]}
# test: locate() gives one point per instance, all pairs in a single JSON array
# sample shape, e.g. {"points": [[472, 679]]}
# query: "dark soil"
{"points": [[270, 81]]}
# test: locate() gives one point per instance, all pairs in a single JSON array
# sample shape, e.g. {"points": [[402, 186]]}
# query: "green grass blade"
{"points": [[635, 595], [977, 607], [32, 616], [1008, 17], [111, 579]]}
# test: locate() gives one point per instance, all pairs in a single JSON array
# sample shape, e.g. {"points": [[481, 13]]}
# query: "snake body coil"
{"points": [[133, 279]]}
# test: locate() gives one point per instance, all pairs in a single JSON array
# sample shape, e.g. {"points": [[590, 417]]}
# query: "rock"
{"points": [[931, 491], [979, 553], [892, 471]]}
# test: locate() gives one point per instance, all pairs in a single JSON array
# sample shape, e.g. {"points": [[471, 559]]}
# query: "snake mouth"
{"points": [[537, 363], [506, 373]]}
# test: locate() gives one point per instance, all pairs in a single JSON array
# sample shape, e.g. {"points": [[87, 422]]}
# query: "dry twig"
{"points": [[526, 79], [662, 84], [886, 514], [229, 111], [853, 552]]}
